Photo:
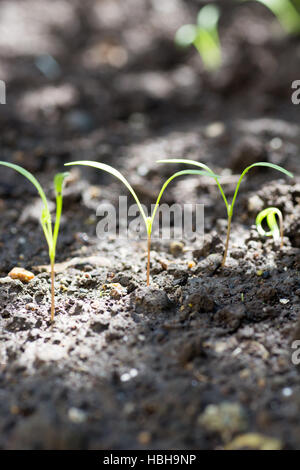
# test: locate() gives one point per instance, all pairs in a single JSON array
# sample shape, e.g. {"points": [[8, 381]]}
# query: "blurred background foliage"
{"points": [[102, 77]]}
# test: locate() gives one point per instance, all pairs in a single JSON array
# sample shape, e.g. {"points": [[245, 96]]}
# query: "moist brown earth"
{"points": [[204, 355]]}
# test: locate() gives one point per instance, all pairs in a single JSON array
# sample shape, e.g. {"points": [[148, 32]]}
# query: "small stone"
{"points": [[144, 438], [176, 248], [220, 347], [15, 410], [117, 291], [76, 415], [21, 274], [214, 130], [254, 441], [164, 263], [255, 204], [276, 143], [237, 253], [209, 264], [125, 377], [191, 264], [129, 375], [30, 306], [225, 419], [150, 300]]}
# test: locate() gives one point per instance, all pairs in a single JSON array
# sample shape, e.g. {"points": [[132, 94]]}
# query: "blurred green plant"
{"points": [[46, 221], [270, 215], [229, 206], [204, 36], [147, 220], [286, 13]]}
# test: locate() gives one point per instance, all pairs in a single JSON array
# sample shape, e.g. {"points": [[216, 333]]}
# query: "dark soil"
{"points": [[203, 356]]}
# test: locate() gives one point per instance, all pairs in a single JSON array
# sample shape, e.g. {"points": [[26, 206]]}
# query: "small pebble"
{"points": [[176, 248], [117, 291], [129, 375], [254, 441], [225, 419], [215, 129], [144, 438], [21, 274], [276, 143], [76, 415]]}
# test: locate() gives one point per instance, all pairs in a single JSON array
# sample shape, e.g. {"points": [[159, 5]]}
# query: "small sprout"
{"points": [[46, 221], [147, 220], [286, 13], [204, 36], [270, 215], [229, 207]]}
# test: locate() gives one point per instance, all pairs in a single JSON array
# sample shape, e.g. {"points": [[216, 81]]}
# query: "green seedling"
{"points": [[204, 36], [147, 220], [46, 221], [270, 215], [229, 206], [285, 12]]}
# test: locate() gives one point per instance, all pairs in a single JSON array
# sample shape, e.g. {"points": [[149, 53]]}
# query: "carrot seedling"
{"points": [[46, 221], [204, 36], [286, 13], [229, 206], [270, 215], [147, 220]]}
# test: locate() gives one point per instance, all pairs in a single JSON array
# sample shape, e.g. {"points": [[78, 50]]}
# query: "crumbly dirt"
{"points": [[203, 355]]}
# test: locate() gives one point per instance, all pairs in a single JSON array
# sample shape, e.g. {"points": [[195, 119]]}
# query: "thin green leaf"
{"points": [[45, 216], [30, 177], [200, 165], [117, 174], [264, 164], [286, 13], [179, 173], [270, 165]]}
